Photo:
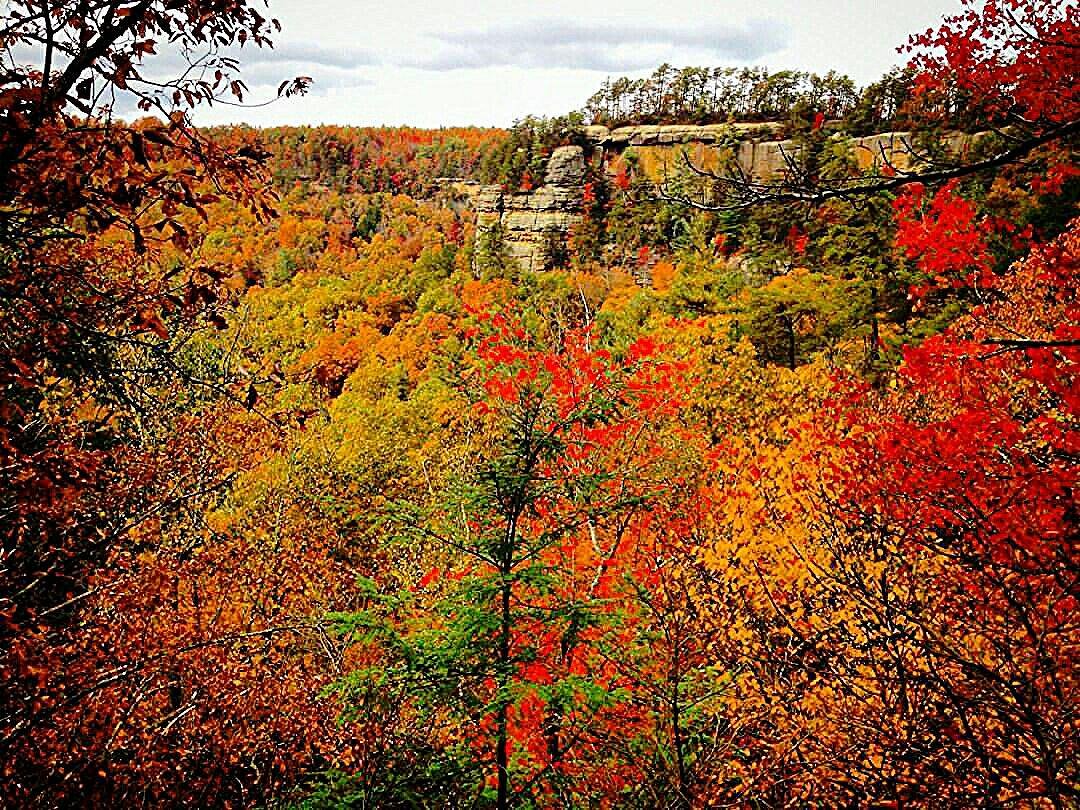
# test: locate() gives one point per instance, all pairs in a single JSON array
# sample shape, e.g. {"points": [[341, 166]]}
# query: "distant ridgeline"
{"points": [[531, 225], [724, 119], [532, 185]]}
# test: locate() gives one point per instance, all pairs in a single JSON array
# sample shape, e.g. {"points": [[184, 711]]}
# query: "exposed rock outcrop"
{"points": [[531, 223], [566, 168], [668, 134]]}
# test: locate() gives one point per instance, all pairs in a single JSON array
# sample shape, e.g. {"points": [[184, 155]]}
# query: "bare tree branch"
{"points": [[797, 187]]}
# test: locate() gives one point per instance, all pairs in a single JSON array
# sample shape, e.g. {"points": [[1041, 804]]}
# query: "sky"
{"points": [[437, 63]]}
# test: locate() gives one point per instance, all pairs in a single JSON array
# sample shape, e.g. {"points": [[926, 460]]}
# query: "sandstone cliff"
{"points": [[532, 221]]}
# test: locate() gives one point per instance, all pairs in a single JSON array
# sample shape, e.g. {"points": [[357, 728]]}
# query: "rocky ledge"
{"points": [[670, 134], [533, 222]]}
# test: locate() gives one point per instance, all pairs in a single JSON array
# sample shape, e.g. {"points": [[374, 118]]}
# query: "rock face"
{"points": [[668, 134], [566, 167], [534, 223]]}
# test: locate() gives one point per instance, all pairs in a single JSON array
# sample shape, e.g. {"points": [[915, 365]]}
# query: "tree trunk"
{"points": [[875, 335], [789, 326], [502, 758], [682, 801]]}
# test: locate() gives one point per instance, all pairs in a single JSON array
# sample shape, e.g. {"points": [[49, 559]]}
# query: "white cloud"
{"points": [[603, 46], [487, 62]]}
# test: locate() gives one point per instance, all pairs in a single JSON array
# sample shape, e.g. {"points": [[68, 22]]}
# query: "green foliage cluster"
{"points": [[701, 95], [715, 95], [519, 160]]}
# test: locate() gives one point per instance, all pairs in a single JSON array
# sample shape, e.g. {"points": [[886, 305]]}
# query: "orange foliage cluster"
{"points": [[398, 160]]}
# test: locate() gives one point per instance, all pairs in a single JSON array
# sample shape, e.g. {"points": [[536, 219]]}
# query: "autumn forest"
{"points": [[745, 488]]}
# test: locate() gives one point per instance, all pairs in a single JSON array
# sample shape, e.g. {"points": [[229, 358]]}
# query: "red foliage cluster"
{"points": [[946, 237], [1018, 59], [972, 467]]}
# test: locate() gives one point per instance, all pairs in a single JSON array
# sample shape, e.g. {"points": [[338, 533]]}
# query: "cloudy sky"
{"points": [[487, 62]]}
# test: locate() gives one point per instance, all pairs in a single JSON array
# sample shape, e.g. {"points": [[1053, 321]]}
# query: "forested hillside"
{"points": [[759, 497]]}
